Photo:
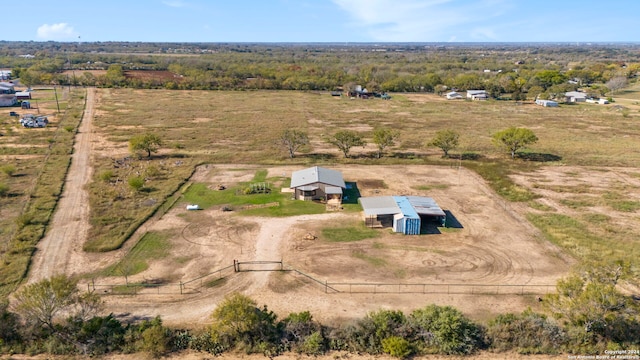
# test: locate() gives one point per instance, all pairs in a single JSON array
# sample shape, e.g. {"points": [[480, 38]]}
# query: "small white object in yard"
{"points": [[193, 207]]}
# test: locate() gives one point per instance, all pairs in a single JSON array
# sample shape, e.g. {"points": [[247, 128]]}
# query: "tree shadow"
{"points": [[465, 156], [404, 155], [351, 194], [317, 156], [451, 221], [538, 157]]}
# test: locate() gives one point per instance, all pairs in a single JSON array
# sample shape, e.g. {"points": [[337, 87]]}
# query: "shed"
{"points": [[402, 213], [575, 96], [453, 95], [23, 95], [477, 94], [408, 220], [547, 103]]}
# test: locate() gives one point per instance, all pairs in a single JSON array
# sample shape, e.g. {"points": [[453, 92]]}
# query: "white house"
{"points": [[477, 94], [317, 183], [575, 96], [453, 95]]}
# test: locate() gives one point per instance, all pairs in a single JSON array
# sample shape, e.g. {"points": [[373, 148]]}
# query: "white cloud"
{"points": [[175, 3], [61, 31], [425, 20]]}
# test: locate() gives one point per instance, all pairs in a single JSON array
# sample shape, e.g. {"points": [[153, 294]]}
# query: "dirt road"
{"points": [[68, 228]]}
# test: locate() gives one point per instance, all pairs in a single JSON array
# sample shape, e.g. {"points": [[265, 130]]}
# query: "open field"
{"points": [[38, 159], [496, 244]]}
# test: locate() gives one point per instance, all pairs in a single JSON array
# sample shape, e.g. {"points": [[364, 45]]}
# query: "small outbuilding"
{"points": [[404, 214], [547, 103], [453, 95], [575, 97], [317, 183], [477, 94]]}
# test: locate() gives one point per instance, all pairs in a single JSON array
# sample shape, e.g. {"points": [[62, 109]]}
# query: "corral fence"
{"points": [[220, 276], [471, 289]]}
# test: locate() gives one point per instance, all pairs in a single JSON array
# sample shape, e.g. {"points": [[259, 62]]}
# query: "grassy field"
{"points": [[39, 159], [243, 127]]}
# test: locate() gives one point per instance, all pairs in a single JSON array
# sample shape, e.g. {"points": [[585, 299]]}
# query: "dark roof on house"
{"points": [[317, 174]]}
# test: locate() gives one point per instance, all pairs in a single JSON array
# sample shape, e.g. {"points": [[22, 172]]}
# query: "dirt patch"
{"points": [[493, 246]]}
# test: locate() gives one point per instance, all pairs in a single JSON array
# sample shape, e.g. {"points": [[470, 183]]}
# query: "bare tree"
{"points": [[292, 140], [616, 83]]}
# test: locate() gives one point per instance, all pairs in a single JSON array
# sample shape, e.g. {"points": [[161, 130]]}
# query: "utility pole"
{"points": [[56, 94]]}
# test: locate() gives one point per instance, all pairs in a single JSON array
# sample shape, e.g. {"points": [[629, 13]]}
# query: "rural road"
{"points": [[68, 228]]}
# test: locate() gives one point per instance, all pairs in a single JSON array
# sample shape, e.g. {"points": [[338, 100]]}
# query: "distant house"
{"points": [[402, 213], [453, 95], [7, 88], [8, 100], [477, 94], [575, 96], [317, 183], [547, 103]]}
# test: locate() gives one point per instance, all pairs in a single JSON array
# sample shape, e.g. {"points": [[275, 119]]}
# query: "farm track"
{"points": [[69, 225]]}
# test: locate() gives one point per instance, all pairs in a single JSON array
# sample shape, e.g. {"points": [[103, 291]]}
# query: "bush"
{"points": [[527, 333], [445, 330], [8, 170], [106, 175], [396, 347], [4, 189], [136, 182]]}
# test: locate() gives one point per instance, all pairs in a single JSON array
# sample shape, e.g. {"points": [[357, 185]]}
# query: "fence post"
{"points": [[326, 286], [180, 287]]}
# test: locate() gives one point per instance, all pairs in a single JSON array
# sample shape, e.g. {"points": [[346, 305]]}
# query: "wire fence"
{"points": [[220, 276]]}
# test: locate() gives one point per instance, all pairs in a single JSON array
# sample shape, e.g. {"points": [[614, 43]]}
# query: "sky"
{"points": [[335, 21]]}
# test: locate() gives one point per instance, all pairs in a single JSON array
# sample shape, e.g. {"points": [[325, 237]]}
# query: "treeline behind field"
{"points": [[516, 71]]}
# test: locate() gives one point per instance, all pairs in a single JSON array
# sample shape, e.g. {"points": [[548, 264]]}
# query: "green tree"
{"points": [[237, 321], [47, 301], [344, 140], [292, 140], [514, 139], [384, 138], [445, 329], [589, 303], [149, 143], [446, 140]]}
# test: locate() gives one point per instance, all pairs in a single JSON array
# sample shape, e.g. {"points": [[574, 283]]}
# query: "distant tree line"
{"points": [[513, 72]]}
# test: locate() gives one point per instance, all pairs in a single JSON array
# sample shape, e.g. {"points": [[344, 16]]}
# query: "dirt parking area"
{"points": [[493, 246]]}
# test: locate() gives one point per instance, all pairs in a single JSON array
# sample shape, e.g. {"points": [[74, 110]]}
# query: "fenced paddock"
{"points": [[229, 273]]}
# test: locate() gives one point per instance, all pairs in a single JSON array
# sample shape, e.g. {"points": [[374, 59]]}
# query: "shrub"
{"points": [[396, 347], [527, 333], [446, 330], [8, 170], [106, 175], [136, 182], [4, 189]]}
